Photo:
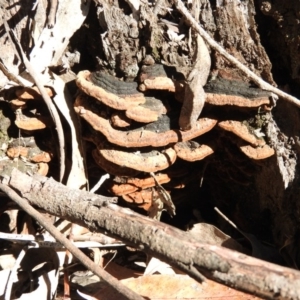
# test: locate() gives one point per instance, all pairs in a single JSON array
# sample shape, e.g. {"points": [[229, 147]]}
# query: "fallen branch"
{"points": [[120, 288], [165, 242], [214, 45]]}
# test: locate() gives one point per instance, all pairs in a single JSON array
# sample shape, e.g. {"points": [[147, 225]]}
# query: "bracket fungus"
{"points": [[155, 77], [150, 161], [32, 93], [242, 131], [29, 157], [119, 119], [147, 112], [137, 135], [18, 104], [143, 198], [118, 98], [139, 138], [192, 151], [234, 100], [112, 168], [133, 184], [32, 123], [14, 152], [223, 92], [257, 153], [32, 154]]}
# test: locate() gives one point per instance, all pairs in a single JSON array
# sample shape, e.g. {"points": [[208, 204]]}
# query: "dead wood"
{"points": [[163, 241]]}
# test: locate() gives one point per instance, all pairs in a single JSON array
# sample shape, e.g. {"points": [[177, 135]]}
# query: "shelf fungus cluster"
{"points": [[31, 116], [134, 126]]}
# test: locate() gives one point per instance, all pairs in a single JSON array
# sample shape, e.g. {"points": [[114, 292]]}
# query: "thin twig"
{"points": [[164, 196], [214, 45], [12, 77], [226, 219], [50, 242], [123, 290], [51, 107], [52, 13], [99, 183]]}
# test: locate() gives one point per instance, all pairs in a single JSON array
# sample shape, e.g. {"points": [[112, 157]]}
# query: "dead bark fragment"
{"points": [[194, 96]]}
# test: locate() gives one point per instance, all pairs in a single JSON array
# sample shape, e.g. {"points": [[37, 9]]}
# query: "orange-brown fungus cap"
{"points": [[192, 151], [17, 151], [41, 157], [158, 83], [119, 119], [224, 99], [154, 77], [112, 168], [32, 93], [142, 114], [242, 131], [152, 161], [142, 198], [257, 153], [139, 138], [148, 112], [119, 102], [16, 103], [31, 123], [133, 184], [43, 168]]}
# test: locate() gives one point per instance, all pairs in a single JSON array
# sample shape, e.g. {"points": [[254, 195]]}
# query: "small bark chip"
{"points": [[194, 98]]}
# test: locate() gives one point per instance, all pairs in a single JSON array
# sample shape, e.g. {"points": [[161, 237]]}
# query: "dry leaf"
{"points": [[157, 266], [207, 233], [162, 287]]}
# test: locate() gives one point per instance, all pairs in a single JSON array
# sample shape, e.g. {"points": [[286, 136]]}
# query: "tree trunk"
{"points": [[260, 196]]}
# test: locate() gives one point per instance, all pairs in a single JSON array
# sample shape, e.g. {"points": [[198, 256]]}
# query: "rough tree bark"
{"points": [[261, 197]]}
